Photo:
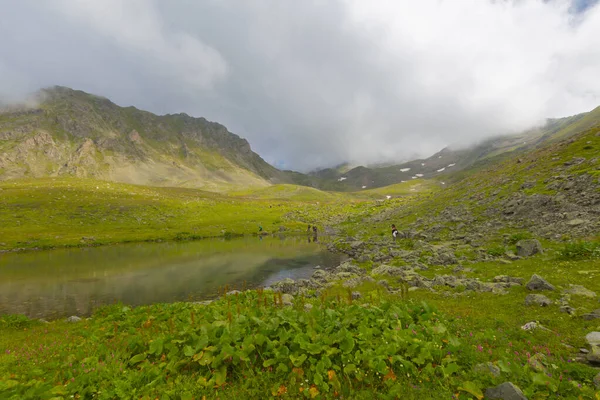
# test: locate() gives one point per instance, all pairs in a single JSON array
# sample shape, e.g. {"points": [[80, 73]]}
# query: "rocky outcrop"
{"points": [[505, 391], [529, 247], [537, 299], [538, 283]]}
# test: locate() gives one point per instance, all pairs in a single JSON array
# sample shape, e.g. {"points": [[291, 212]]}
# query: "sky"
{"points": [[316, 83]]}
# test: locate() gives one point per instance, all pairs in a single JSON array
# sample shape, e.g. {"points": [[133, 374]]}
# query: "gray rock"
{"points": [[579, 290], [234, 292], [508, 279], [487, 368], [536, 362], [567, 309], [594, 355], [287, 299], [387, 270], [320, 276], [352, 282], [584, 351], [593, 338], [73, 318], [383, 283], [349, 268], [537, 299], [597, 377], [202, 303], [286, 286], [538, 283], [505, 391], [529, 247], [308, 307], [356, 295], [593, 315]]}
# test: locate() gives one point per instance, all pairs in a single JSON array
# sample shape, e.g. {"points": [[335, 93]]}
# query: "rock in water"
{"points": [[537, 299], [538, 283], [529, 247], [505, 391]]}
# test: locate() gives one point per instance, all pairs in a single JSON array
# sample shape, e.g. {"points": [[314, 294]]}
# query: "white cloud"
{"points": [[316, 83], [137, 26]]}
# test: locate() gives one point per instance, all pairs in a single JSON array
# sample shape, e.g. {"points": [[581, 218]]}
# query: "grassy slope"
{"points": [[55, 212]]}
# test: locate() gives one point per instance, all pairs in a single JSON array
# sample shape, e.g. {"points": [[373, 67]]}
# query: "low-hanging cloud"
{"points": [[314, 83]]}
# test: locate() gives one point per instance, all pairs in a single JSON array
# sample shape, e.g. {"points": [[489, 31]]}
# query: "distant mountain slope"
{"points": [[444, 163], [74, 133]]}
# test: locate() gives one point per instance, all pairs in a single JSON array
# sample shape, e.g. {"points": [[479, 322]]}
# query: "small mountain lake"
{"points": [[64, 282]]}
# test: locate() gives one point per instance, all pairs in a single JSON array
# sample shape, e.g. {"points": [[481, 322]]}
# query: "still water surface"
{"points": [[58, 283]]}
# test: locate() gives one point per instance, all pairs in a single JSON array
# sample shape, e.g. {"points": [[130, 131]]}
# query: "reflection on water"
{"points": [[66, 282]]}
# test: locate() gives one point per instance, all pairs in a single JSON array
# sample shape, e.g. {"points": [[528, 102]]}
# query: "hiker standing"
{"points": [[395, 232]]}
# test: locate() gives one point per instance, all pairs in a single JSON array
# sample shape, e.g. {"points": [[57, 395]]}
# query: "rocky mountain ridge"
{"points": [[73, 133]]}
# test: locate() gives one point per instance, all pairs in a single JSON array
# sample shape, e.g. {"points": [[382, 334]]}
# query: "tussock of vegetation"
{"points": [[580, 251]]}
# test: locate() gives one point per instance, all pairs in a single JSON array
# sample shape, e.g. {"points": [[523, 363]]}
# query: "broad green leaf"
{"points": [[268, 363], [349, 368], [347, 343], [188, 351], [221, 375], [137, 358], [472, 388]]}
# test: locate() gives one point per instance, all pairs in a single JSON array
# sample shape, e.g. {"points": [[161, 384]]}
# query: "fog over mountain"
{"points": [[316, 83]]}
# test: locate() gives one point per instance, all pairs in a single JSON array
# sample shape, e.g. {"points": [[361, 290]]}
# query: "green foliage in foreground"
{"points": [[250, 346]]}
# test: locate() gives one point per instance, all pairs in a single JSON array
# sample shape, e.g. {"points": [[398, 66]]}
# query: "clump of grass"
{"points": [[516, 237], [496, 251], [581, 250]]}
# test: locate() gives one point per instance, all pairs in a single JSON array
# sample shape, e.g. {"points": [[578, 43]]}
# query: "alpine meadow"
{"points": [[155, 255]]}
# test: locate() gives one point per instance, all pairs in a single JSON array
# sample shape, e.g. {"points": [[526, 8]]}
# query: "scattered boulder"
{"points": [[321, 277], [356, 295], [487, 368], [567, 309], [508, 279], [73, 318], [287, 299], [387, 270], [579, 290], [383, 283], [505, 391], [234, 292], [349, 267], [202, 303], [593, 338], [594, 355], [529, 247], [593, 315], [536, 362], [308, 307], [351, 282], [285, 286], [537, 299], [576, 222], [597, 377], [538, 283]]}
